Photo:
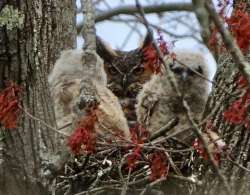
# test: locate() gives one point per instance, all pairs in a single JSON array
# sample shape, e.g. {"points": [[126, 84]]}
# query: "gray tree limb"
{"points": [[203, 18], [131, 10], [88, 31]]}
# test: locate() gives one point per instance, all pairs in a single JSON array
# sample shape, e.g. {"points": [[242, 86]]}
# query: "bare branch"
{"points": [[43, 123], [89, 25], [151, 185], [202, 16], [162, 131], [131, 10], [90, 59]]}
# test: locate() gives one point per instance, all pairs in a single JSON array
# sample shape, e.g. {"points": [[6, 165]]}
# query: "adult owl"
{"points": [[126, 73]]}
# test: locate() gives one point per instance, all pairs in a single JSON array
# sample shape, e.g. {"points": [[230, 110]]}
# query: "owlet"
{"points": [[64, 82], [158, 103]]}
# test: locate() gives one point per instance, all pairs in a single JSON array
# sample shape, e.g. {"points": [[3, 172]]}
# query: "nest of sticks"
{"points": [[158, 165]]}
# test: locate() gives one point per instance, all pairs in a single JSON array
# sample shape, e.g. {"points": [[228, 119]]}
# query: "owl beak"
{"points": [[124, 81], [184, 75]]}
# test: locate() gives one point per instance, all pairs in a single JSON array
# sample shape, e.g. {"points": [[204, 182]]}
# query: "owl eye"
{"points": [[177, 70], [112, 70], [199, 69], [138, 70], [190, 72], [172, 64]]}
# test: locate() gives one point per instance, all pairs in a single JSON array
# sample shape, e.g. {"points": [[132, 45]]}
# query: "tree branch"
{"points": [[203, 18], [88, 31], [162, 131], [90, 60], [131, 10]]}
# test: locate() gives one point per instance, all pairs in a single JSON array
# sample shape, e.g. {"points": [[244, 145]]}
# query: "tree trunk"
{"points": [[235, 160], [27, 54], [237, 137]]}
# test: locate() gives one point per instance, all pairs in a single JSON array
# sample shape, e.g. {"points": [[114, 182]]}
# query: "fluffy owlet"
{"points": [[64, 81], [158, 103], [125, 74]]}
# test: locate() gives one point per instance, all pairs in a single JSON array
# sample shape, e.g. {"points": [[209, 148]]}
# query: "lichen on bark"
{"points": [[11, 18]]}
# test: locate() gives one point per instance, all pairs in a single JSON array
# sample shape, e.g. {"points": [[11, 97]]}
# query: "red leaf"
{"points": [[133, 157], [162, 43], [84, 137], [9, 105], [236, 112], [241, 82], [138, 134], [151, 60], [158, 165], [215, 144], [198, 146], [239, 25]]}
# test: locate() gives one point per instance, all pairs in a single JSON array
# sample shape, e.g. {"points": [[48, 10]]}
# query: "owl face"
{"points": [[186, 77], [125, 70]]}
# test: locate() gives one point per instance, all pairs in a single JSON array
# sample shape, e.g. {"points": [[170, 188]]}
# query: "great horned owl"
{"points": [[158, 103], [125, 74], [64, 81]]}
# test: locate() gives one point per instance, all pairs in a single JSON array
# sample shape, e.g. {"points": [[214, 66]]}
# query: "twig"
{"points": [[99, 175], [125, 186], [109, 187], [64, 126], [240, 62], [187, 179], [120, 167], [205, 145], [43, 122], [162, 131], [151, 185], [181, 178], [175, 168], [238, 165]]}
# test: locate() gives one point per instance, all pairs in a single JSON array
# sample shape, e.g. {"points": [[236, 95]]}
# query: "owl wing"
{"points": [[152, 109], [146, 107], [110, 115]]}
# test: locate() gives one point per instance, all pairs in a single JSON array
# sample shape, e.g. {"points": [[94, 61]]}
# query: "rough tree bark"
{"points": [[235, 162], [236, 137], [26, 56]]}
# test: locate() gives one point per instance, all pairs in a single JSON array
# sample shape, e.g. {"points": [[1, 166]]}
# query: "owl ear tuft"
{"points": [[104, 50]]}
